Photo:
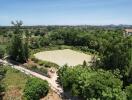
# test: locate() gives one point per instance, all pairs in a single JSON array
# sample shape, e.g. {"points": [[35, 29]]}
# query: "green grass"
{"points": [[14, 83], [3, 46]]}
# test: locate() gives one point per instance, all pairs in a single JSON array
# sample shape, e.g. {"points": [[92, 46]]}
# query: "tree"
{"points": [[84, 63], [91, 84], [104, 87], [19, 47], [118, 55], [44, 41], [35, 89], [34, 43]]}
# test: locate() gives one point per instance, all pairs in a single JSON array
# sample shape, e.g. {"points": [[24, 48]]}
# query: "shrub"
{"points": [[84, 63], [50, 64], [35, 89], [2, 71], [44, 63], [41, 63], [39, 69], [128, 91], [2, 75], [2, 88], [34, 66], [43, 70], [30, 65], [2, 52], [34, 59]]}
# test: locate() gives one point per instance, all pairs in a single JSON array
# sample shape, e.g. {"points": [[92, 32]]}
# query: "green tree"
{"points": [[19, 46], [104, 87], [118, 55], [91, 84]]}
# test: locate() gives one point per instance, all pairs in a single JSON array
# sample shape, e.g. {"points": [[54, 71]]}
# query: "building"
{"points": [[128, 32]]}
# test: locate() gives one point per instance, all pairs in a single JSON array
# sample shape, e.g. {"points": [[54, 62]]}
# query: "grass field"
{"points": [[14, 82], [62, 57], [3, 46]]}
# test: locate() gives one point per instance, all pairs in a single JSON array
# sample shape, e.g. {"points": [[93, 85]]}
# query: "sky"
{"points": [[66, 12]]}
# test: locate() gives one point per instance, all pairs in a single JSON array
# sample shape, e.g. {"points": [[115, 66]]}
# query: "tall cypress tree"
{"points": [[19, 46]]}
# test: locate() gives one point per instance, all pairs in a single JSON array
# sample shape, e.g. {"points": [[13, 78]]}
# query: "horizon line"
{"points": [[74, 25]]}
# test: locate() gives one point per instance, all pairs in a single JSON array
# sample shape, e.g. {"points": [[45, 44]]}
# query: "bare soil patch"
{"points": [[62, 57]]}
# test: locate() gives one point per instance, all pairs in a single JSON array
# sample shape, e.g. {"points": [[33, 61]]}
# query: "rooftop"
{"points": [[128, 30]]}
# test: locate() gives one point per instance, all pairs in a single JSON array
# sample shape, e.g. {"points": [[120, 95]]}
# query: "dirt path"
{"points": [[52, 81]]}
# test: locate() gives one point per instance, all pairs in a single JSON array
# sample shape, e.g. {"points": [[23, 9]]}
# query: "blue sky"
{"points": [[66, 12]]}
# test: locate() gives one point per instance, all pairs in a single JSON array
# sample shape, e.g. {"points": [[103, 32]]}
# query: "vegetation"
{"points": [[91, 84], [46, 64], [2, 75], [18, 47], [36, 68], [40, 66], [118, 56], [2, 52], [22, 86], [35, 89], [129, 92], [13, 82], [110, 76]]}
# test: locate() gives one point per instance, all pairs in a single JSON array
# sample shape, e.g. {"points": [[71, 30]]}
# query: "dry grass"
{"points": [[14, 82], [62, 57], [52, 96]]}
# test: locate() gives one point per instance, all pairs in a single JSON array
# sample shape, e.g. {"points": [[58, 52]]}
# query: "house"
{"points": [[128, 32]]}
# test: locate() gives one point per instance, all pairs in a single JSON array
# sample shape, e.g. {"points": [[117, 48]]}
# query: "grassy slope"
{"points": [[14, 83]]}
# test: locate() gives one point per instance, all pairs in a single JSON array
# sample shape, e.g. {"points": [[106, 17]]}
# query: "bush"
{"points": [[39, 69], [41, 63], [33, 66], [2, 52], [50, 64], [86, 49], [129, 92], [34, 59], [35, 89], [2, 75], [2, 72], [44, 63], [2, 88], [43, 70]]}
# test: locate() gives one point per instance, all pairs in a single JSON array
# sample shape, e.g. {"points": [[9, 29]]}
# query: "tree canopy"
{"points": [[91, 84]]}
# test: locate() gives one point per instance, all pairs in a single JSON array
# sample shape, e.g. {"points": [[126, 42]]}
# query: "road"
{"points": [[52, 81]]}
